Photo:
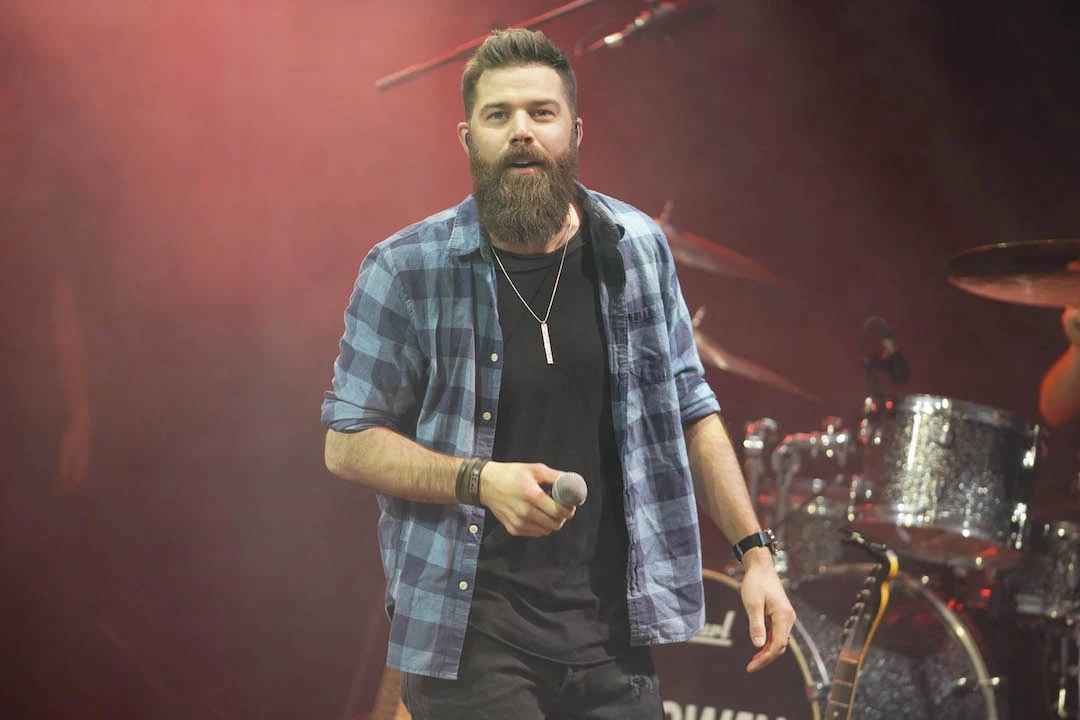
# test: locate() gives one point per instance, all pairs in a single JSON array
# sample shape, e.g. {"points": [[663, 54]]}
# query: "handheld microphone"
{"points": [[569, 489]]}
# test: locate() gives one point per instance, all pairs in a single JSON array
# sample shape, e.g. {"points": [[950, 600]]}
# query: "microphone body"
{"points": [[664, 18], [569, 489], [894, 361]]}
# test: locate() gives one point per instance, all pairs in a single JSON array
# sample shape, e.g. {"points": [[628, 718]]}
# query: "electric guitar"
{"points": [[861, 625]]}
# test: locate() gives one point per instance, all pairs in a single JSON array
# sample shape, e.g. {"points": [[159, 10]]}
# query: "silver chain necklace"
{"points": [[543, 322]]}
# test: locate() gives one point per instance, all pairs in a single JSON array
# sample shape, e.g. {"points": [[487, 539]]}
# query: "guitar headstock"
{"points": [[878, 551], [870, 603], [861, 623]]}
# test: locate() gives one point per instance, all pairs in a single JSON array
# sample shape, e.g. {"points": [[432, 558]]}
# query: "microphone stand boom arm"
{"points": [[466, 49]]}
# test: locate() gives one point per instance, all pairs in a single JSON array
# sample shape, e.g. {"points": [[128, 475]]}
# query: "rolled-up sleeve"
{"points": [[377, 371], [696, 398]]}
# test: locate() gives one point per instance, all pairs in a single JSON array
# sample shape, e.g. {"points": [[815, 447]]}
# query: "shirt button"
{"points": [[473, 529], [494, 357], [486, 415], [463, 585]]}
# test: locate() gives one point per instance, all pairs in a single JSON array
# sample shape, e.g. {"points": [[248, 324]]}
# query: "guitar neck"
{"points": [[842, 694]]}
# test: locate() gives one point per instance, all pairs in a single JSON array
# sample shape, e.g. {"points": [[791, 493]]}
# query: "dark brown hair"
{"points": [[512, 48]]}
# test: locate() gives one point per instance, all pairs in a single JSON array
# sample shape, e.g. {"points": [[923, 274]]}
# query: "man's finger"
{"points": [[550, 521], [552, 509], [755, 610], [527, 528], [765, 656], [780, 624]]}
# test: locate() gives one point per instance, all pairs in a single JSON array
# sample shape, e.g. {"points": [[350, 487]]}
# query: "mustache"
{"points": [[524, 154]]}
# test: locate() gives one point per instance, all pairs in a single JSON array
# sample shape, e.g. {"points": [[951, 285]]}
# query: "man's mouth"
{"points": [[525, 164]]}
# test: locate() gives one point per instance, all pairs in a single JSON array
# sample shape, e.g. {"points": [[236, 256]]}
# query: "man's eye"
{"points": [[496, 115]]}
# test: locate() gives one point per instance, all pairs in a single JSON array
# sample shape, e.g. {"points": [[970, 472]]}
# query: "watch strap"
{"points": [[762, 538]]}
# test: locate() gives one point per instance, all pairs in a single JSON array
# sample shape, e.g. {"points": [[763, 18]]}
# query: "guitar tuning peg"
{"points": [[864, 594]]}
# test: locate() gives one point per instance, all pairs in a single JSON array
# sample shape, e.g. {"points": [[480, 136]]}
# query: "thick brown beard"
{"points": [[524, 209]]}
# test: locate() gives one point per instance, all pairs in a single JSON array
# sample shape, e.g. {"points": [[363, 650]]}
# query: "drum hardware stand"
{"points": [[1068, 669], [877, 398], [760, 441], [1019, 521], [833, 442]]}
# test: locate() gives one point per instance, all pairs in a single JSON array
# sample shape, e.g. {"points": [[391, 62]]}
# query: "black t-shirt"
{"points": [[562, 597]]}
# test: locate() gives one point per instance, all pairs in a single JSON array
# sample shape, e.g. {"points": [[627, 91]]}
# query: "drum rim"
{"points": [[963, 409], [956, 625], [963, 631]]}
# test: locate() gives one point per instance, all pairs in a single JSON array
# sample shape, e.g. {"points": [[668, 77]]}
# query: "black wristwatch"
{"points": [[764, 538]]}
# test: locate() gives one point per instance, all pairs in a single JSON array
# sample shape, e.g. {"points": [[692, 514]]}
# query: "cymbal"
{"points": [[1042, 273], [695, 251], [712, 354]]}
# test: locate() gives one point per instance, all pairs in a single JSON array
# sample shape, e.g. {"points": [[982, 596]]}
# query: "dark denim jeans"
{"points": [[497, 682]]}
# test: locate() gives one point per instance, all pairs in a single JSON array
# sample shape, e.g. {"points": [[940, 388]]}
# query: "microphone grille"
{"points": [[569, 489]]}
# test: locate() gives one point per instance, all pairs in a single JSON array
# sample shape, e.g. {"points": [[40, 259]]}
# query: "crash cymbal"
{"points": [[712, 354], [695, 251], [1042, 273]]}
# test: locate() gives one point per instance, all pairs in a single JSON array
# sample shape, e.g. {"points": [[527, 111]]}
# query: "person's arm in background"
{"points": [[70, 347], [1059, 395]]}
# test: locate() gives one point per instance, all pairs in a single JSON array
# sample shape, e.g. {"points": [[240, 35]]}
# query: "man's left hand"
{"points": [[767, 605]]}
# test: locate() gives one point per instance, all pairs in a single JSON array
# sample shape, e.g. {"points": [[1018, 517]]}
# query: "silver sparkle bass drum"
{"points": [[925, 662]]}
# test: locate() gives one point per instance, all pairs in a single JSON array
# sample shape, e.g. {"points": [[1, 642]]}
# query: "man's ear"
{"points": [[577, 131], [463, 135]]}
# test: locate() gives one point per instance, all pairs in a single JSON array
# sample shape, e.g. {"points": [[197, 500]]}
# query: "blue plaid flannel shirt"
{"points": [[421, 355]]}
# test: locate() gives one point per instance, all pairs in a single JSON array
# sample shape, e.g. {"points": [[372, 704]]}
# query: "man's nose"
{"points": [[521, 130]]}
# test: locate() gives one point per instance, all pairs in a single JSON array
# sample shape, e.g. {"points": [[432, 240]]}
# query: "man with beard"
{"points": [[537, 328]]}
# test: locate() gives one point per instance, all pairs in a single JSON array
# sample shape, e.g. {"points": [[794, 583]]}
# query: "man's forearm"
{"points": [[1059, 396], [718, 479], [390, 463]]}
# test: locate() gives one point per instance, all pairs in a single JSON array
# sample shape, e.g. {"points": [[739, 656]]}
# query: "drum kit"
{"points": [[943, 482]]}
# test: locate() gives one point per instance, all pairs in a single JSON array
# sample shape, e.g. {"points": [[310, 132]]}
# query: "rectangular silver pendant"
{"points": [[547, 343]]}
